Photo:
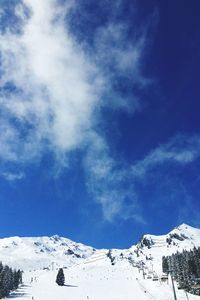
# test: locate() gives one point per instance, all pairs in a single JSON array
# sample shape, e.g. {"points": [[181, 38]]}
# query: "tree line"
{"points": [[185, 268], [9, 280]]}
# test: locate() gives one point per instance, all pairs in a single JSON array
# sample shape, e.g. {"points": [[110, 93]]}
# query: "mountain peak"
{"points": [[181, 237], [184, 226], [186, 229]]}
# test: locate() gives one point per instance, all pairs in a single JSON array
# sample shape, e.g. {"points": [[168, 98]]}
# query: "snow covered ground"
{"points": [[96, 281], [115, 274]]}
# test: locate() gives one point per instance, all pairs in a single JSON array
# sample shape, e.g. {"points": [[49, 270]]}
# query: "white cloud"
{"points": [[181, 149], [13, 176], [51, 91], [57, 85], [117, 55], [109, 182]]}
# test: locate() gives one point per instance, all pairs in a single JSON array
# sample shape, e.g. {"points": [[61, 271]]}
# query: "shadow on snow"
{"points": [[69, 285], [19, 293]]}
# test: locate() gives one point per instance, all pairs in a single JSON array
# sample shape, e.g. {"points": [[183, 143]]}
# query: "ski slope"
{"points": [[95, 281], [115, 274]]}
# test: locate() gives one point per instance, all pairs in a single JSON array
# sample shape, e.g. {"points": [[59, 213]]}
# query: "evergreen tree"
{"points": [[60, 279], [165, 265], [185, 267], [9, 280]]}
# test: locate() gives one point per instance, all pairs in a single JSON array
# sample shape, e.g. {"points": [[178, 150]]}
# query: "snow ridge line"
{"points": [[97, 258], [93, 260]]}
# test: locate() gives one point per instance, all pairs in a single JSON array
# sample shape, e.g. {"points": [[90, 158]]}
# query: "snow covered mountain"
{"points": [[30, 253], [151, 248], [148, 252], [182, 237], [109, 274]]}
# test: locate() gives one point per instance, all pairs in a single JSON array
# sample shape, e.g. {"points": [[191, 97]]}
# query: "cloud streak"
{"points": [[181, 149], [51, 92], [12, 177], [55, 86], [110, 183]]}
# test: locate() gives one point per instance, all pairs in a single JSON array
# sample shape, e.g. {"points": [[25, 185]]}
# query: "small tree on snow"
{"points": [[60, 279]]}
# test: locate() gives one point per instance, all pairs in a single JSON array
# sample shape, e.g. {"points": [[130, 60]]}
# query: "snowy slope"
{"points": [[42, 252], [148, 252], [96, 282], [151, 248], [104, 274], [182, 237]]}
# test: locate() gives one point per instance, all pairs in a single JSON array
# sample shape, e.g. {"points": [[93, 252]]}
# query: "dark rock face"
{"points": [[146, 242], [180, 237]]}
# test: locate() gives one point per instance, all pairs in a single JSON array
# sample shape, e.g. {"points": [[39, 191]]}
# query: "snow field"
{"points": [[95, 282], [88, 271]]}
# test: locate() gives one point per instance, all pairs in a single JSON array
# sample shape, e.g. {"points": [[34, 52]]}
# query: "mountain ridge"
{"points": [[96, 273], [55, 251]]}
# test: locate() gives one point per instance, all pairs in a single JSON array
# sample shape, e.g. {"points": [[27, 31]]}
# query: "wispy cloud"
{"points": [[48, 85], [51, 91], [181, 149], [113, 184], [110, 183], [13, 176], [121, 62]]}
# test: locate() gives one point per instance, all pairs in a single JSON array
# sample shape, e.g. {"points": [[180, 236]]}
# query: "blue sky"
{"points": [[99, 119]]}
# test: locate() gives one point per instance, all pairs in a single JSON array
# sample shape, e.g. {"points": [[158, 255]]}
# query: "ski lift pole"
{"points": [[143, 273], [173, 287], [186, 295], [152, 267]]}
